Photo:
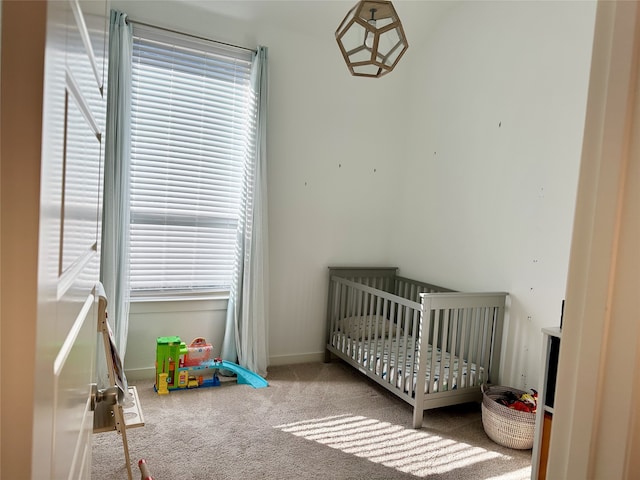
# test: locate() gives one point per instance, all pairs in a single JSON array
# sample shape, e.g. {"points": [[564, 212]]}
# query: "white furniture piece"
{"points": [[546, 397]]}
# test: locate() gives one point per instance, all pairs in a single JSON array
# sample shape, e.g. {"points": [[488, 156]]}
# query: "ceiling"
{"points": [[319, 17]]}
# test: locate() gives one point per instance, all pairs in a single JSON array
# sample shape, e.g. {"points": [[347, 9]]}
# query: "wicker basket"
{"points": [[506, 426]]}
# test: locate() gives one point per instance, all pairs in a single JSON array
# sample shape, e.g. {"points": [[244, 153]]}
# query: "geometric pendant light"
{"points": [[371, 38]]}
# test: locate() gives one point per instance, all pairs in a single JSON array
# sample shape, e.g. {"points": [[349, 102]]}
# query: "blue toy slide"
{"points": [[244, 376]]}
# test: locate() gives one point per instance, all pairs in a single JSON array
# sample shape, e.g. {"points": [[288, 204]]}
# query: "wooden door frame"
{"points": [[595, 427], [21, 86]]}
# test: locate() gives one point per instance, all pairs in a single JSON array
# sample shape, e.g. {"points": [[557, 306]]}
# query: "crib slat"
{"points": [[481, 341], [487, 342], [453, 351], [342, 308], [345, 314], [361, 318], [393, 320], [475, 353], [409, 351], [462, 382], [486, 360], [402, 357], [496, 343], [486, 351], [434, 350], [444, 347], [358, 334], [482, 366], [372, 364], [371, 319], [482, 344], [337, 302], [374, 329], [350, 313], [386, 342], [414, 350]]}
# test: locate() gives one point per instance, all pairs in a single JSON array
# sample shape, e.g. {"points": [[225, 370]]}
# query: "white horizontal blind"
{"points": [[192, 128]]}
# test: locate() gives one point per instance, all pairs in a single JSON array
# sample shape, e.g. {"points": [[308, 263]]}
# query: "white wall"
{"points": [[488, 193], [354, 180], [333, 163]]}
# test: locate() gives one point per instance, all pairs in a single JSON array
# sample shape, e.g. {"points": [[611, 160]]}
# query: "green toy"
{"points": [[170, 352]]}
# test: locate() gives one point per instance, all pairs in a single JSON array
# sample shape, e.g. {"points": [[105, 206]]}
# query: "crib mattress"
{"points": [[390, 360]]}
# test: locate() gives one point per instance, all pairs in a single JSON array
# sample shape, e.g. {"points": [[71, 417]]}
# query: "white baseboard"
{"points": [[149, 373], [297, 358], [137, 374]]}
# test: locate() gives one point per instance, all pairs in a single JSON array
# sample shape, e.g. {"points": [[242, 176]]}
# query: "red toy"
{"points": [[199, 351], [144, 471]]}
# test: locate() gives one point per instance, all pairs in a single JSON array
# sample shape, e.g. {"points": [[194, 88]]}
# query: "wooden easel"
{"points": [[109, 412]]}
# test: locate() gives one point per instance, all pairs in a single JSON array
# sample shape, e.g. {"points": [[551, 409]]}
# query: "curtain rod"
{"points": [[129, 20]]}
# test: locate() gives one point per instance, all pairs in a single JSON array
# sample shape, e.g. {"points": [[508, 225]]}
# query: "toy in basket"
{"points": [[509, 416]]}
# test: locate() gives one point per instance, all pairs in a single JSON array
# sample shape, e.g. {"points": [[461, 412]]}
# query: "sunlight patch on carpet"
{"points": [[522, 474], [410, 451]]}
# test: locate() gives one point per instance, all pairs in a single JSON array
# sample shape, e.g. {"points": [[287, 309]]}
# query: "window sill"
{"points": [[178, 303], [148, 297]]}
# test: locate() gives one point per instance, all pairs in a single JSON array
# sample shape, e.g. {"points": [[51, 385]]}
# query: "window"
{"points": [[193, 124]]}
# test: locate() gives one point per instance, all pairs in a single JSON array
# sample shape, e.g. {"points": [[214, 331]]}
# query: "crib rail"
{"points": [[382, 278], [412, 289]]}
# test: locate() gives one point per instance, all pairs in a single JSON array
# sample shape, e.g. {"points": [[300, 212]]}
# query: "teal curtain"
{"points": [[114, 258], [246, 334]]}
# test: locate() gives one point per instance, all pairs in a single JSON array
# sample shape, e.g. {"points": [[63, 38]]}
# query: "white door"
{"points": [[69, 237], [67, 224]]}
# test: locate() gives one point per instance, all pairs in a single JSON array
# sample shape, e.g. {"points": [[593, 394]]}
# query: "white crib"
{"points": [[429, 345]]}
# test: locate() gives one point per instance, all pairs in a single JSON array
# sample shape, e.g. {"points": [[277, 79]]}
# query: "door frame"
{"points": [[21, 99], [595, 425]]}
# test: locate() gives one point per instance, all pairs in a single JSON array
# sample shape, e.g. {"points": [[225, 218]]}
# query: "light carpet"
{"points": [[314, 421]]}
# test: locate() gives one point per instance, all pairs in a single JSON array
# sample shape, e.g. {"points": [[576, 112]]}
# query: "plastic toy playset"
{"points": [[181, 366]]}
